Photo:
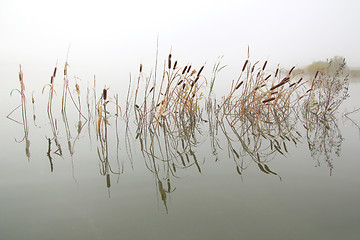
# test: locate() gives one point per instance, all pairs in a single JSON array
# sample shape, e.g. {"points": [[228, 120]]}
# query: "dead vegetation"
{"points": [[257, 120]]}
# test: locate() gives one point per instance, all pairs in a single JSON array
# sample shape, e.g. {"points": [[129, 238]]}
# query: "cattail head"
{"points": [[268, 100], [140, 68], [317, 72], [77, 88], [54, 74], [263, 68], [188, 70], [65, 69], [21, 80], [253, 67], [52, 80], [291, 70], [184, 70], [202, 68], [175, 65], [258, 74], [104, 93], [21, 75], [108, 184], [169, 61], [277, 71], [285, 79], [237, 86], [246, 62]]}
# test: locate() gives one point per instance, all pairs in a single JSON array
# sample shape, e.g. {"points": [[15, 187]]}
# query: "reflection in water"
{"points": [[326, 94], [24, 121], [323, 137], [349, 116], [102, 136], [53, 122], [255, 122], [49, 155]]}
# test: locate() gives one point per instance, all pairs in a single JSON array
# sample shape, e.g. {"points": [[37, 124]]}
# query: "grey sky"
{"points": [[106, 32]]}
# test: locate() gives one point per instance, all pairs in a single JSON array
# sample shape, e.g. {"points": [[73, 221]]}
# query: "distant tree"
{"points": [[329, 67], [336, 63], [316, 66]]}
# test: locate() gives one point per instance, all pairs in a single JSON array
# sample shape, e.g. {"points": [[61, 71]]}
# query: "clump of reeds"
{"points": [[257, 116], [171, 102], [259, 96], [328, 89]]}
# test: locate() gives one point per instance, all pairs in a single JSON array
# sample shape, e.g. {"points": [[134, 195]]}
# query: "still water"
{"points": [[62, 182]]}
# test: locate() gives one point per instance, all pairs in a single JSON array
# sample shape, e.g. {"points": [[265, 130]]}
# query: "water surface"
{"points": [[87, 193]]}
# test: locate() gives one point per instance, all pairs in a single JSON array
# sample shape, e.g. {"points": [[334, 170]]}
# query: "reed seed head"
{"points": [[104, 93], [188, 70], [291, 70], [184, 70], [268, 100], [246, 62], [202, 68], [263, 68], [54, 74], [77, 88], [317, 72], [239, 85], [169, 61], [20, 75], [65, 69]]}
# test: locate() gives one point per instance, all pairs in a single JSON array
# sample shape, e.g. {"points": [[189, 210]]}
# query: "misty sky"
{"points": [[123, 33]]}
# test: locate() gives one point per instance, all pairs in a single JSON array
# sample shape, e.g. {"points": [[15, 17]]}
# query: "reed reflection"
{"points": [[23, 121], [258, 115], [53, 122], [328, 91], [102, 136], [167, 120], [256, 121], [48, 154]]}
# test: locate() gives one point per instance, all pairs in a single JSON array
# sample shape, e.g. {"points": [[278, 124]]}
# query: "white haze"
{"points": [[111, 38]]}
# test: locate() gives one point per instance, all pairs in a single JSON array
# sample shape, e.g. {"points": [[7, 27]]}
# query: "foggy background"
{"points": [[110, 39]]}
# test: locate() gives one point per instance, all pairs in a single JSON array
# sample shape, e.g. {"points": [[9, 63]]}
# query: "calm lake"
{"points": [[63, 181]]}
